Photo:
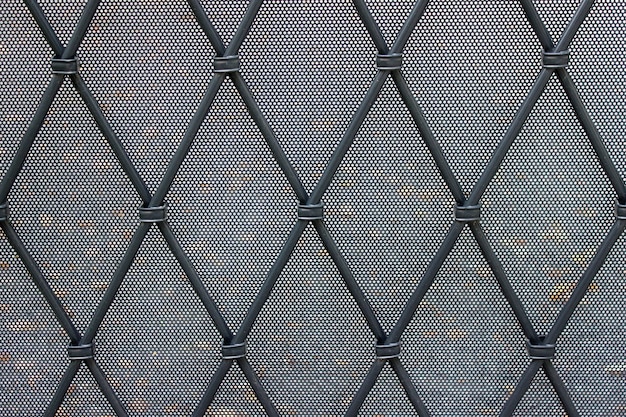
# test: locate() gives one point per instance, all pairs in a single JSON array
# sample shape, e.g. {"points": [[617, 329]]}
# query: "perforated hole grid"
{"points": [[170, 215]]}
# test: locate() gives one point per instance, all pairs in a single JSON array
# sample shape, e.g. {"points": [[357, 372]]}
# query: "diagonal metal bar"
{"points": [[561, 390], [207, 26], [345, 143], [350, 281], [503, 282], [111, 137], [81, 28], [270, 280], [520, 389], [409, 388], [429, 138], [270, 137], [409, 26], [583, 284], [61, 389], [40, 281], [116, 282], [262, 396], [510, 135], [537, 24], [29, 137], [105, 387], [425, 283], [572, 27], [195, 281], [45, 27], [209, 393], [592, 133], [365, 388], [371, 26], [244, 27]]}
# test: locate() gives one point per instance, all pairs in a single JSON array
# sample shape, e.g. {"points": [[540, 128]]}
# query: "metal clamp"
{"points": [[226, 63], [65, 66], [235, 351], [153, 214], [388, 351], [80, 352], [555, 59], [389, 62], [4, 211], [467, 213], [620, 211], [541, 351], [310, 211]]}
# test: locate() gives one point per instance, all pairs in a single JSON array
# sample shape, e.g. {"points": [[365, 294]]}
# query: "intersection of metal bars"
{"points": [[541, 348]]}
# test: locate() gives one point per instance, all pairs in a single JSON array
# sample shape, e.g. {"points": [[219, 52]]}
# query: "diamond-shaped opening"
{"points": [[591, 355], [157, 344], [388, 208], [63, 16], [390, 16], [309, 65], [148, 64], [548, 207], [226, 16], [311, 345], [597, 67], [387, 397], [556, 14], [84, 397], [25, 71], [231, 206], [33, 355], [235, 397], [540, 400], [470, 65], [464, 347], [73, 206]]}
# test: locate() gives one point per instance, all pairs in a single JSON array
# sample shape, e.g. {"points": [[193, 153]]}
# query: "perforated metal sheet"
{"points": [[246, 208]]}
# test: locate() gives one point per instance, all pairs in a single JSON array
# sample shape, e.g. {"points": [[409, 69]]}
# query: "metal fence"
{"points": [[313, 208]]}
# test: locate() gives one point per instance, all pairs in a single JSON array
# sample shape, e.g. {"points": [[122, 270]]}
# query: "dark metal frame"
{"points": [[154, 211]]}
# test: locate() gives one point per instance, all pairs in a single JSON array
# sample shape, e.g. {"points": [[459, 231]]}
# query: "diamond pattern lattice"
{"points": [[320, 208]]}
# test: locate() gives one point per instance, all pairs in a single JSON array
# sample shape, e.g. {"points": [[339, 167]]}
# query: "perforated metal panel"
{"points": [[320, 208]]}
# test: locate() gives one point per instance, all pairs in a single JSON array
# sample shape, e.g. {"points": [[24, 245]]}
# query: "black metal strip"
{"points": [[270, 137], [592, 133], [244, 27], [425, 283], [61, 389], [429, 138], [371, 26], [106, 388], [188, 138], [116, 281], [81, 28], [520, 389], [214, 384], [350, 282], [561, 390], [572, 27], [40, 282], [207, 26], [365, 388], [195, 281], [45, 27], [537, 24], [29, 137], [409, 26], [270, 280], [583, 284], [503, 282], [261, 395], [111, 137], [512, 132], [409, 388], [348, 137]]}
